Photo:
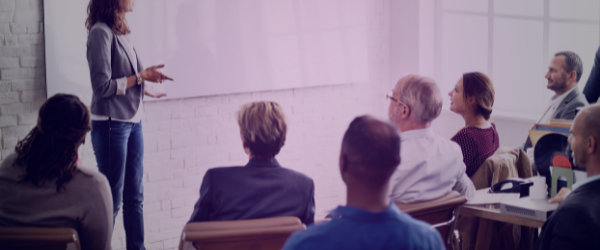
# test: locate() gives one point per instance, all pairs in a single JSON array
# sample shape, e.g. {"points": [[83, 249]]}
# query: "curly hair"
{"points": [[111, 12], [50, 150]]}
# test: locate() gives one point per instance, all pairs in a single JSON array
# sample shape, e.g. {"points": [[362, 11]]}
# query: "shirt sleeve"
{"points": [[465, 186], [99, 61], [309, 215], [121, 86]]}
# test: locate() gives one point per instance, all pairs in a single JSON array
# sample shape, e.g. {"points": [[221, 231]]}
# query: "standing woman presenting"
{"points": [[118, 89]]}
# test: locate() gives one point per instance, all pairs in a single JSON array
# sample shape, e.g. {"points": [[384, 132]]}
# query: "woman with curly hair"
{"points": [[118, 84], [41, 184]]}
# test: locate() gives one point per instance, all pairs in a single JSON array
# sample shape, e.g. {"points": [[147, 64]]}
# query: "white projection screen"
{"points": [[213, 47]]}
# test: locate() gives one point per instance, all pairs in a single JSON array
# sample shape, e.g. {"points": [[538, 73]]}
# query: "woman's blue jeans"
{"points": [[119, 150]]}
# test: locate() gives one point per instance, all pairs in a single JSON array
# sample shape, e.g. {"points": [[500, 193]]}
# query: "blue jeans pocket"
{"points": [[118, 126]]}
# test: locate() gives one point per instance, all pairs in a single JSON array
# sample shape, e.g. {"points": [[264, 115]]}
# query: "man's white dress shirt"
{"points": [[555, 101], [430, 167]]}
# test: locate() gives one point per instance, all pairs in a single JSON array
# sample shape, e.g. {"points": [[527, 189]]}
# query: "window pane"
{"points": [[575, 9], [464, 48], [518, 67], [585, 45], [466, 5], [533, 8]]}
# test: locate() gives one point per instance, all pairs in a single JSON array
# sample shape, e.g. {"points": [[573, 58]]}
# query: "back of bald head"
{"points": [[372, 150], [590, 124]]}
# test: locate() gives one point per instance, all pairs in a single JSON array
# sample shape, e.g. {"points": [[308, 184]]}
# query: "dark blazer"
{"points": [[575, 224], [592, 86], [259, 190], [108, 61]]}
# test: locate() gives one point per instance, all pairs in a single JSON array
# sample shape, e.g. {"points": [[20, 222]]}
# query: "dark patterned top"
{"points": [[477, 145]]}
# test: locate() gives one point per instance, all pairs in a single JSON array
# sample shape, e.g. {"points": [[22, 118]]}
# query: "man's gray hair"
{"points": [[572, 62], [423, 96]]}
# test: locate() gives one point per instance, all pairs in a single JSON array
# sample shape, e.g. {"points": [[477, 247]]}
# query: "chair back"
{"points": [[439, 212], [263, 234], [38, 238]]}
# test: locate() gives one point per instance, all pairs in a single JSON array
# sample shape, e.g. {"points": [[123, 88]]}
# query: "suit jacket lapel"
{"points": [[563, 105], [570, 96], [128, 52]]}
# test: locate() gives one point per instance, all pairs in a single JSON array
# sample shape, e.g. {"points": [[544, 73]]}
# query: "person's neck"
{"points": [[565, 90], [411, 125], [477, 121], [593, 166], [374, 200], [251, 157]]}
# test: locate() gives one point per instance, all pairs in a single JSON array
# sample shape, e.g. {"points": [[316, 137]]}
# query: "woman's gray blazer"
{"points": [[109, 60]]}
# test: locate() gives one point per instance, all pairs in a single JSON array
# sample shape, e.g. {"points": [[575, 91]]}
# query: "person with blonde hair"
{"points": [[473, 99], [261, 188]]}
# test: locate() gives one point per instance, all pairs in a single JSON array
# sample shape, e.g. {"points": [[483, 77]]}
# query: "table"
{"points": [[487, 217]]}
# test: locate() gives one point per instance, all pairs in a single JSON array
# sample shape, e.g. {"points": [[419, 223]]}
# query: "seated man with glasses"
{"points": [[431, 165]]}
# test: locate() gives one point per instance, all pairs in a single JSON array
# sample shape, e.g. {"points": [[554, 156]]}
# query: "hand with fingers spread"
{"points": [[152, 74]]}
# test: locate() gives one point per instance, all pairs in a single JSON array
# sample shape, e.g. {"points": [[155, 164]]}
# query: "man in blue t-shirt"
{"points": [[370, 154]]}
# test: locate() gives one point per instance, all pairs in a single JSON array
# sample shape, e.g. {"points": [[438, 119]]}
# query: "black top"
{"points": [[258, 190], [575, 224]]}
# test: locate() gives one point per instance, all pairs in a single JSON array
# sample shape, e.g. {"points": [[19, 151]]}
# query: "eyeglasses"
{"points": [[390, 96]]}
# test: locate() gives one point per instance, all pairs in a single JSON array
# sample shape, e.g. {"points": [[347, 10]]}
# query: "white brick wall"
{"points": [[185, 137]]}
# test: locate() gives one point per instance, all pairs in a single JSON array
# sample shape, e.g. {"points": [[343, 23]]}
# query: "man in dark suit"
{"points": [[262, 188], [564, 73], [592, 87], [576, 222]]}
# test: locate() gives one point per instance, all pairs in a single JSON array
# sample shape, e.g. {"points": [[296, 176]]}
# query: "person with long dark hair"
{"points": [[118, 84], [42, 185], [473, 99]]}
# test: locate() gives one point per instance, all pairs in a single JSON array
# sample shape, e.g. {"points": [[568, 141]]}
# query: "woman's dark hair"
{"points": [[50, 150], [110, 12], [480, 86]]}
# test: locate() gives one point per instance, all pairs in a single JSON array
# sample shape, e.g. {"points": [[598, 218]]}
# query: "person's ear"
{"points": [[471, 100], [572, 76], [592, 145], [405, 111], [343, 163], [246, 149]]}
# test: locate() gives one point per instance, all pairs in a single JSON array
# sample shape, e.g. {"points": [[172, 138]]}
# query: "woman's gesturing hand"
{"points": [[152, 74], [151, 91]]}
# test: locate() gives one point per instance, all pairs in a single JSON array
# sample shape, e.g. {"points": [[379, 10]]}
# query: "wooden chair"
{"points": [[263, 234], [38, 238], [440, 213]]}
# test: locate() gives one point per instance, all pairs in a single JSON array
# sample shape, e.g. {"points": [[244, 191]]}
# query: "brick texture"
{"points": [[185, 137]]}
